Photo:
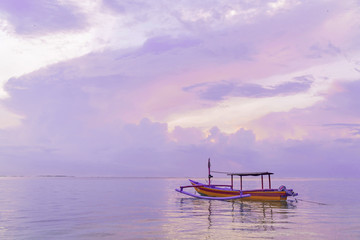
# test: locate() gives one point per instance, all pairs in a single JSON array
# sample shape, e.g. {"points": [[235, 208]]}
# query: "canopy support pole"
{"points": [[262, 182], [241, 183], [269, 182]]}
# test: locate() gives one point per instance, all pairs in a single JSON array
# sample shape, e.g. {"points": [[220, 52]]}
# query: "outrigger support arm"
{"points": [[213, 198], [203, 185]]}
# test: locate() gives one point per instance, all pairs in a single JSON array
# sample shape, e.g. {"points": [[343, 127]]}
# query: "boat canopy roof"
{"points": [[245, 174]]}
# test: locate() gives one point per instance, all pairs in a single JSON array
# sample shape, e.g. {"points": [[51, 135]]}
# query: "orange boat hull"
{"points": [[258, 194]]}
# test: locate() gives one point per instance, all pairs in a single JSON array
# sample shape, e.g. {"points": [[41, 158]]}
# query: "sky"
{"points": [[155, 88]]}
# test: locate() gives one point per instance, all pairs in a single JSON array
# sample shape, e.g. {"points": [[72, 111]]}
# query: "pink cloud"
{"points": [[335, 117], [105, 113]]}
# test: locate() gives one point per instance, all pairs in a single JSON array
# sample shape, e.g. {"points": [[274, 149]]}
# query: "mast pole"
{"points": [[209, 165]]}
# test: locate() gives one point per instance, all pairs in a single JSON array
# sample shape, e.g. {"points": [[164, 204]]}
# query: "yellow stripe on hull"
{"points": [[255, 195]]}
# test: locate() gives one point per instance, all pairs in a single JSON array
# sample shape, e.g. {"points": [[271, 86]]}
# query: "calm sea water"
{"points": [[145, 208]]}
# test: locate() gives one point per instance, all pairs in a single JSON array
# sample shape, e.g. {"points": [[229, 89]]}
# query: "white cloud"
{"points": [[76, 111], [235, 113]]}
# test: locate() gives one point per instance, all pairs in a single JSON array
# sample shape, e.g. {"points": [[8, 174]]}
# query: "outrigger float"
{"points": [[227, 192]]}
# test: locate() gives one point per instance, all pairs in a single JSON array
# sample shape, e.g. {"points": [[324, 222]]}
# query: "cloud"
{"points": [[336, 117], [124, 7], [219, 90], [42, 17], [143, 149], [319, 51], [149, 149], [230, 82], [352, 127], [187, 136], [162, 44]]}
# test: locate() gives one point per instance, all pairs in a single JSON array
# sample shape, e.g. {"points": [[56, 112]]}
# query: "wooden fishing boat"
{"points": [[227, 192]]}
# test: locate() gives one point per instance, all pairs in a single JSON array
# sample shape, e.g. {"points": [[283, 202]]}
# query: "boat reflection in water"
{"points": [[245, 219]]}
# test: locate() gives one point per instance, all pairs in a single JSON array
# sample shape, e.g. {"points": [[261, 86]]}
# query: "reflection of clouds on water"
{"points": [[214, 219]]}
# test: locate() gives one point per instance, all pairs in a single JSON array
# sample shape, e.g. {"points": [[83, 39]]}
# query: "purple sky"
{"points": [[154, 88]]}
